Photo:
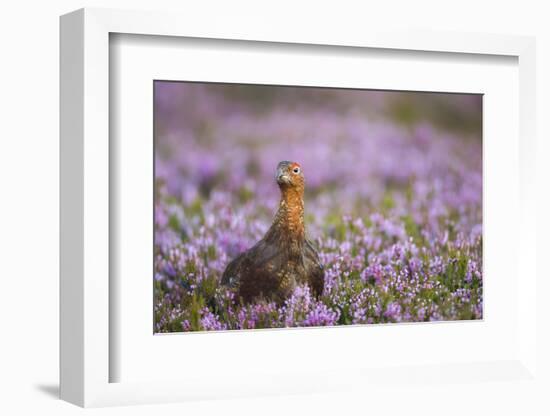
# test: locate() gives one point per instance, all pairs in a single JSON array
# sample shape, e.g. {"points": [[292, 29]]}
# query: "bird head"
{"points": [[289, 175]]}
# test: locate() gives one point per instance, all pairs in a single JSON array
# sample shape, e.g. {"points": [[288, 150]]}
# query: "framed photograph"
{"points": [[389, 182], [259, 211]]}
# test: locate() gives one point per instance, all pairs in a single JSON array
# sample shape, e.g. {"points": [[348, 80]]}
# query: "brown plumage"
{"points": [[284, 257]]}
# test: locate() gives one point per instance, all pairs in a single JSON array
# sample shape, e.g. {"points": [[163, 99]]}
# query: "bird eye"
{"points": [[296, 170]]}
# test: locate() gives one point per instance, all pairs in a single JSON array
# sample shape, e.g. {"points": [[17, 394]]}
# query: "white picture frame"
{"points": [[85, 353]]}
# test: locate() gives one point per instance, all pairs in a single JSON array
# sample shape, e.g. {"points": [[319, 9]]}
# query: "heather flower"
{"points": [[320, 315], [393, 312], [210, 322]]}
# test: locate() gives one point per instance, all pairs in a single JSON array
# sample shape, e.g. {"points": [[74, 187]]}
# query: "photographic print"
{"points": [[289, 206]]}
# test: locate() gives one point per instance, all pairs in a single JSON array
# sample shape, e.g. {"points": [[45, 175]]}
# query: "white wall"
{"points": [[29, 185]]}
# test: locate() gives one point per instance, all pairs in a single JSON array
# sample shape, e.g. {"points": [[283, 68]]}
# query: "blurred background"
{"points": [[361, 150]]}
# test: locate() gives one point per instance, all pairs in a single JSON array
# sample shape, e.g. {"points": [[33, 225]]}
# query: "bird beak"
{"points": [[281, 177]]}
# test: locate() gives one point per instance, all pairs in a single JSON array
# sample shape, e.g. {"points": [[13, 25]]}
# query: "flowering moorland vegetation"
{"points": [[393, 202]]}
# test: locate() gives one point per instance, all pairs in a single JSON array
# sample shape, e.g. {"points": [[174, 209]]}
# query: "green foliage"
{"points": [[412, 229]]}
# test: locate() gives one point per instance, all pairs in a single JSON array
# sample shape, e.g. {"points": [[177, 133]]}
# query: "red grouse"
{"points": [[284, 257]]}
